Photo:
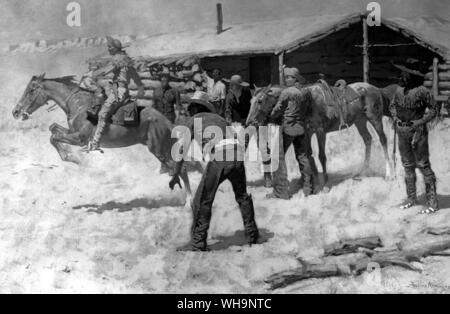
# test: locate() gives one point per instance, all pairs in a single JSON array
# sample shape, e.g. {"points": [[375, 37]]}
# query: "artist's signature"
{"points": [[430, 285]]}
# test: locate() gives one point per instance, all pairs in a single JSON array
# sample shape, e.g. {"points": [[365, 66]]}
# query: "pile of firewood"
{"points": [[355, 256], [185, 75], [443, 78]]}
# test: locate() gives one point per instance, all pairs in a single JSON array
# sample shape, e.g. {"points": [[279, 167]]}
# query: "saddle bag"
{"points": [[127, 115]]}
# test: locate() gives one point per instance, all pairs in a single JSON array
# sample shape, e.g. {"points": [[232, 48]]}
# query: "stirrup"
{"points": [[430, 210]]}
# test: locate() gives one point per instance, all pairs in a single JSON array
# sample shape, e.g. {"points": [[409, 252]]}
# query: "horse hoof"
{"points": [[326, 189], [74, 159]]}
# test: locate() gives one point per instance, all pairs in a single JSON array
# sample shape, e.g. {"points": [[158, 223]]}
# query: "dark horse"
{"points": [[154, 130], [368, 107]]}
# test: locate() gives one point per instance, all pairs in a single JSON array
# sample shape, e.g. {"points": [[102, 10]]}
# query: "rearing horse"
{"points": [[367, 108], [154, 129]]}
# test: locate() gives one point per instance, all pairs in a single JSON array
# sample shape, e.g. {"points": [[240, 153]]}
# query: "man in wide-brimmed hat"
{"points": [[237, 102], [412, 108], [117, 89], [198, 103], [218, 169]]}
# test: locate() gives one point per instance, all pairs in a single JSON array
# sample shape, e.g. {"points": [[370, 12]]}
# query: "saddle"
{"points": [[125, 115], [338, 99]]}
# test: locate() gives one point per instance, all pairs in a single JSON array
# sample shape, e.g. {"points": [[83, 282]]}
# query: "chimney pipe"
{"points": [[219, 18]]}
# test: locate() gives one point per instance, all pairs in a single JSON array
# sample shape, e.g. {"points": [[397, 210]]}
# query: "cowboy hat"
{"points": [[237, 79], [294, 72], [201, 98], [407, 70]]}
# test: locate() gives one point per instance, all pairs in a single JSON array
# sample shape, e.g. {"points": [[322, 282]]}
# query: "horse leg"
{"points": [[76, 139], [56, 139], [310, 155], [187, 185], [56, 128], [378, 126], [361, 125], [321, 140]]}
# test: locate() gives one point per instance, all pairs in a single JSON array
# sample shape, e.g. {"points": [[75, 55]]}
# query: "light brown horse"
{"points": [[154, 129], [368, 107]]}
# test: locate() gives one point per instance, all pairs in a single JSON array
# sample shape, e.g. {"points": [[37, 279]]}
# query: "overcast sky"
{"points": [[26, 20]]}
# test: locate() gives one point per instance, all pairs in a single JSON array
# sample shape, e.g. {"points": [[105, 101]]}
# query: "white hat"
{"points": [[294, 72], [237, 79], [202, 98]]}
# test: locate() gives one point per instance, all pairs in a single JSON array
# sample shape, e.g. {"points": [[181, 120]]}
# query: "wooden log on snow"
{"points": [[148, 94], [352, 246], [356, 264]]}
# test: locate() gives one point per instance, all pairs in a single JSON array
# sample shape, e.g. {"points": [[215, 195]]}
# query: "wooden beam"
{"points": [[219, 18], [435, 78], [280, 67], [366, 61]]}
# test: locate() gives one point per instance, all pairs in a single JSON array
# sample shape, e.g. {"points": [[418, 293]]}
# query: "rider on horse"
{"points": [[117, 93]]}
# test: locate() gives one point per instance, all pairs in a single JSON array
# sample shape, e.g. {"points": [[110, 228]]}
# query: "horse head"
{"points": [[262, 103], [33, 98]]}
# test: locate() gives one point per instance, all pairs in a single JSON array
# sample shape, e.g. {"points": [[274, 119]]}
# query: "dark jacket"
{"points": [[166, 100], [292, 108], [413, 105], [236, 110]]}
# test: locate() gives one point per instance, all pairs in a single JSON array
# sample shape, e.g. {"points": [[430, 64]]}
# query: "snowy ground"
{"points": [[112, 224]]}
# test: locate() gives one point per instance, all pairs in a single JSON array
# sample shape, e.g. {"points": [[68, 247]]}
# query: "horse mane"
{"points": [[69, 80]]}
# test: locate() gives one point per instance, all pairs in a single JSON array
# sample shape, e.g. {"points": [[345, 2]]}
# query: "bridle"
{"points": [[36, 87]]}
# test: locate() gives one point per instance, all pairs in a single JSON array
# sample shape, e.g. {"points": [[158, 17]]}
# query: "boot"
{"points": [[267, 180], [308, 185], [248, 215], [191, 248], [410, 182], [94, 144], [431, 194]]}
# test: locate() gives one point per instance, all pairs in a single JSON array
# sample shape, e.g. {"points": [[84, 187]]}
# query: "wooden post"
{"points": [[435, 78], [366, 61], [280, 67], [219, 18]]}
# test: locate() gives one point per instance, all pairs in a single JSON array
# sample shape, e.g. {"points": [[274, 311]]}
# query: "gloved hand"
{"points": [[174, 181]]}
